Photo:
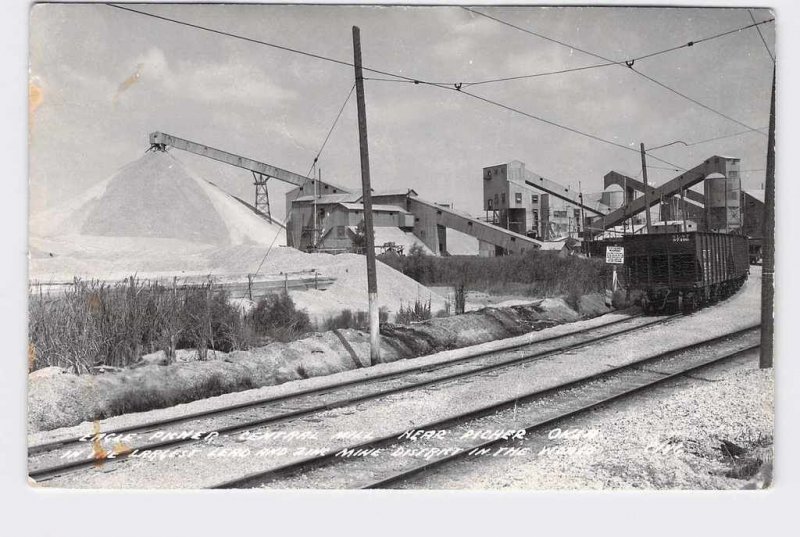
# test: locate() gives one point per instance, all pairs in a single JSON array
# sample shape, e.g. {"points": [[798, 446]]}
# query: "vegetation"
{"points": [[94, 324], [275, 316], [533, 273], [137, 398], [358, 320], [360, 238], [420, 311]]}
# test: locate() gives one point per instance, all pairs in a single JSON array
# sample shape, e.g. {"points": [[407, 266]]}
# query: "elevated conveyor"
{"points": [[726, 166], [432, 219], [260, 170], [631, 184]]}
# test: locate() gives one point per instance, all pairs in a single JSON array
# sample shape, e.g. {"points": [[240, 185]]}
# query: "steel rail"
{"points": [[311, 391], [314, 461], [72, 465], [425, 467]]}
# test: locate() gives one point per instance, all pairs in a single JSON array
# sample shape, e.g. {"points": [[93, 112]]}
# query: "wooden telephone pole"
{"points": [[646, 190], [372, 282], [768, 263]]}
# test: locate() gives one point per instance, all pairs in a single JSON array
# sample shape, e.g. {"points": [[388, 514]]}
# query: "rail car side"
{"points": [[685, 270]]}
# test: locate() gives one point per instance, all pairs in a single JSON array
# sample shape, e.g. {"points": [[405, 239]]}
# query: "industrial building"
{"points": [[519, 200], [523, 211], [328, 222]]}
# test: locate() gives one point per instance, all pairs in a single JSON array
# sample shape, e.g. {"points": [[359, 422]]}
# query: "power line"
{"points": [[256, 41], [762, 37], [456, 87], [715, 138], [333, 126], [540, 36], [695, 101], [607, 62], [554, 124], [536, 75], [630, 63], [709, 38]]}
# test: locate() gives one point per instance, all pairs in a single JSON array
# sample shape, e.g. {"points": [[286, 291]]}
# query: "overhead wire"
{"points": [[555, 124], [695, 101], [607, 62], [333, 126], [252, 40], [715, 138], [313, 165], [771, 56], [453, 87], [630, 63]]}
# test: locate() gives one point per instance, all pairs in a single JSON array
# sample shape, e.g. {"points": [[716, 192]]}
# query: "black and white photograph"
{"points": [[401, 247]]}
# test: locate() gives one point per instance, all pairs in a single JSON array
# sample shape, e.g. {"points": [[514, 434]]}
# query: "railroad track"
{"points": [[46, 461], [371, 464]]}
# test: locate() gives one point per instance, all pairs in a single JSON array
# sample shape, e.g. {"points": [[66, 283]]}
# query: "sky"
{"points": [[102, 79]]}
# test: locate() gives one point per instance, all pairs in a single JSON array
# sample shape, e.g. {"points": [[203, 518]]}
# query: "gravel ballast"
{"points": [[407, 410]]}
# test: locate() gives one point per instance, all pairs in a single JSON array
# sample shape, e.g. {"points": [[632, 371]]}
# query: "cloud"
{"points": [[209, 83]]}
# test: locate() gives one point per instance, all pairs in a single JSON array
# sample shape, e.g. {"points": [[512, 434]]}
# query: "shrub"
{"points": [[358, 320], [97, 324], [276, 316], [534, 273], [421, 311]]}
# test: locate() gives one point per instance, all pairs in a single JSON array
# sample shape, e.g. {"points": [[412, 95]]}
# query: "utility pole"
{"points": [[372, 281], [583, 215], [646, 190], [768, 263], [683, 209]]}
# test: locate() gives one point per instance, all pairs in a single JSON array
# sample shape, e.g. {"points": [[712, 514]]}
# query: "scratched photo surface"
{"points": [[336, 247]]}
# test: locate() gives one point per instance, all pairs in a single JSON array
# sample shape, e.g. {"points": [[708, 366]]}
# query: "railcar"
{"points": [[685, 270]]}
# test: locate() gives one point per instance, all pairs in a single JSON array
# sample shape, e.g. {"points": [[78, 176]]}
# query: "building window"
{"points": [[503, 199], [489, 203], [559, 214], [518, 197], [534, 198]]}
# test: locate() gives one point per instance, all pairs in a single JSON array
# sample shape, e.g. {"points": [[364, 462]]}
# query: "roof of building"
{"points": [[375, 207], [324, 184], [331, 198], [355, 196], [672, 222], [394, 192], [554, 245], [757, 194]]}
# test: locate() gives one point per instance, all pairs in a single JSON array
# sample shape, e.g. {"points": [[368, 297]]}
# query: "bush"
{"points": [[421, 311], [358, 320], [277, 317], [96, 324], [533, 273]]}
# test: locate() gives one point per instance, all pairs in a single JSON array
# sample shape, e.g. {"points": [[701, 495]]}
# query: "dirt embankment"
{"points": [[60, 399]]}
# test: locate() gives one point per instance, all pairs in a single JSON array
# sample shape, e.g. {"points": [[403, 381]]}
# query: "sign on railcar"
{"points": [[615, 255]]}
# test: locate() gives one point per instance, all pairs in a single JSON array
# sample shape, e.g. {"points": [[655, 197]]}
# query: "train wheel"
{"points": [[689, 303], [647, 307]]}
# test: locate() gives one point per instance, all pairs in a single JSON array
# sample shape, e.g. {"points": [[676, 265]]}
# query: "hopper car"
{"points": [[685, 271]]}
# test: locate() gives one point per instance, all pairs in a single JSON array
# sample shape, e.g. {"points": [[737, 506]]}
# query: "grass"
{"points": [[358, 320], [276, 317], [420, 311], [532, 273], [142, 399], [94, 324]]}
